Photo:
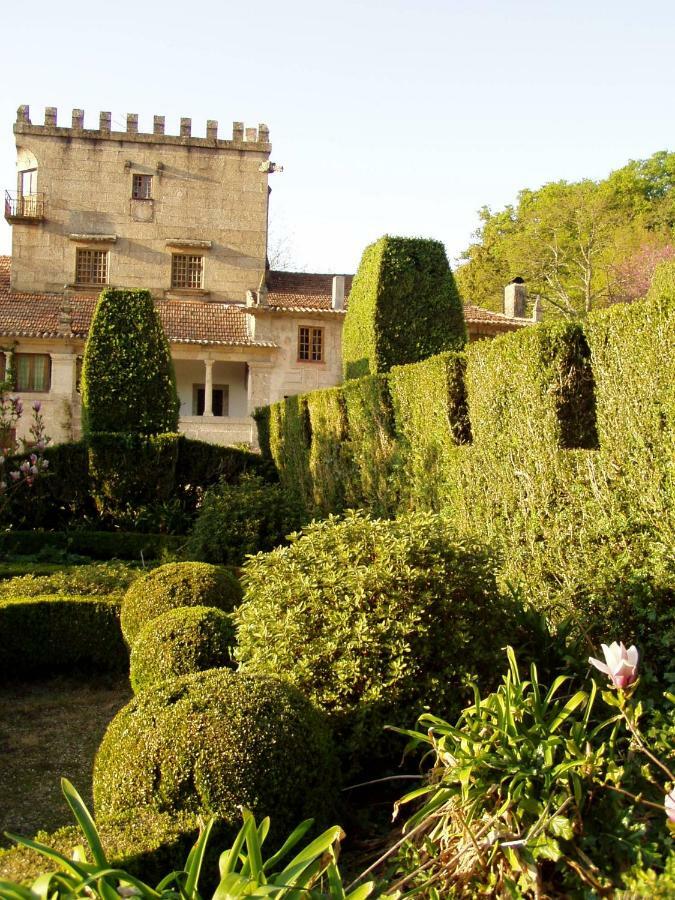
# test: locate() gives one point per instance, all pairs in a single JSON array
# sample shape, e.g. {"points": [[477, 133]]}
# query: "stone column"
{"points": [[208, 387], [59, 408]]}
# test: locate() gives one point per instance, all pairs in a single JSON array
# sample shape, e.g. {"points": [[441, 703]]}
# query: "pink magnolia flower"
{"points": [[25, 466], [15, 475], [669, 805], [620, 664], [37, 405]]}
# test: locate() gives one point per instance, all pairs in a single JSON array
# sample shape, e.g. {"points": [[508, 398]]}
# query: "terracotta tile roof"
{"points": [[479, 315], [308, 292], [185, 321], [302, 291]]}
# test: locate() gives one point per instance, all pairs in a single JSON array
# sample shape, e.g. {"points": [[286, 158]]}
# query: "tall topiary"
{"points": [[403, 307], [128, 380]]}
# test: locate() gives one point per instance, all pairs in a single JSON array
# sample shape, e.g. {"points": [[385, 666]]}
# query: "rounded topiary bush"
{"points": [[213, 742], [173, 585], [374, 619], [179, 642]]}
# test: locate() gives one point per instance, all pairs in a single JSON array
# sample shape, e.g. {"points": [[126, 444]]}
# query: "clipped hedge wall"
{"points": [[47, 634], [216, 741], [96, 544], [128, 380], [290, 437], [564, 463], [403, 307], [129, 470]]}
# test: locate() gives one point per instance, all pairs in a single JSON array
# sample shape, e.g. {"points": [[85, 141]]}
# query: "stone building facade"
{"points": [[185, 217]]}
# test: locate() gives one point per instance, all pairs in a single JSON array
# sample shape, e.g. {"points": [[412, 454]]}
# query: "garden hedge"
{"points": [[553, 444], [372, 620], [179, 642], [216, 741], [173, 585], [403, 307], [56, 633], [128, 381], [237, 519], [95, 544]]}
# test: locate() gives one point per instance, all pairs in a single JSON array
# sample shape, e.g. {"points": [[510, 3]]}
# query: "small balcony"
{"points": [[26, 208]]}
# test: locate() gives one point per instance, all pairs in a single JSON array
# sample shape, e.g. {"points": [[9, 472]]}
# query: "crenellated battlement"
{"points": [[259, 136]]}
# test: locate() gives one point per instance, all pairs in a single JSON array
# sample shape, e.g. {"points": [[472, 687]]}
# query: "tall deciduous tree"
{"points": [[569, 241]]}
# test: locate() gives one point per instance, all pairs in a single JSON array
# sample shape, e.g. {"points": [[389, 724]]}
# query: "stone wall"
{"points": [[208, 197]]}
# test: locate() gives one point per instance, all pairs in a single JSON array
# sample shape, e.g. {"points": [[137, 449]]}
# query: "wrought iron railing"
{"points": [[29, 206]]}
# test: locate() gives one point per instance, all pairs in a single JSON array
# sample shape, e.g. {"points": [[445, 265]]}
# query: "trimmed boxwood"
{"points": [[403, 307], [143, 842], [179, 642], [373, 620], [216, 741], [173, 585], [46, 634]]}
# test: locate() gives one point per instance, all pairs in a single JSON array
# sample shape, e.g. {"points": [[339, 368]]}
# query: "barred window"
{"points": [[91, 267], [141, 187], [32, 371], [310, 344], [186, 271]]}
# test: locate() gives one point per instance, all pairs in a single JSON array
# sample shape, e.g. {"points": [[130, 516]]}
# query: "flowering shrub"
{"points": [[11, 410]]}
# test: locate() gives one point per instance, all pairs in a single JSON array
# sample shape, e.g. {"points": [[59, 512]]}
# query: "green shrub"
{"points": [[128, 380], [330, 461], [213, 742], [238, 519], [201, 465], [143, 842], [290, 437], [57, 499], [95, 544], [403, 307], [179, 642], [98, 579], [48, 634], [173, 585], [373, 619], [129, 470]]}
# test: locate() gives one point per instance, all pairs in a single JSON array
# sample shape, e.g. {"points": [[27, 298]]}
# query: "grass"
{"points": [[50, 729]]}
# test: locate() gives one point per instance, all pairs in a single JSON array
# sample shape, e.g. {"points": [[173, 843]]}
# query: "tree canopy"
{"points": [[578, 245]]}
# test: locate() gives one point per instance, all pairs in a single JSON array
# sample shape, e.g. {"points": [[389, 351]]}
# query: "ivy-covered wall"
{"points": [[554, 445], [403, 307]]}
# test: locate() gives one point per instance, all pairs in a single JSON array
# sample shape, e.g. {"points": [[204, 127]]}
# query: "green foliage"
{"points": [[179, 642], [56, 499], [97, 579], [200, 465], [95, 544], [173, 585], [329, 457], [237, 519], [569, 240], [128, 470], [432, 419], [51, 633], [371, 444], [403, 307], [290, 439], [243, 872], [372, 619], [215, 741], [128, 381], [262, 421]]}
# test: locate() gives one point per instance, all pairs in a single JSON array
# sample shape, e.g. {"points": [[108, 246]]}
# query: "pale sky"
{"points": [[388, 117]]}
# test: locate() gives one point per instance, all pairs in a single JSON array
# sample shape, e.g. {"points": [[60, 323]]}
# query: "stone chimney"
{"points": [[515, 298], [338, 298], [537, 310]]}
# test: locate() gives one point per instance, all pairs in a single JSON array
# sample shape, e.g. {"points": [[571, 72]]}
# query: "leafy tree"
{"points": [[128, 380], [570, 241]]}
